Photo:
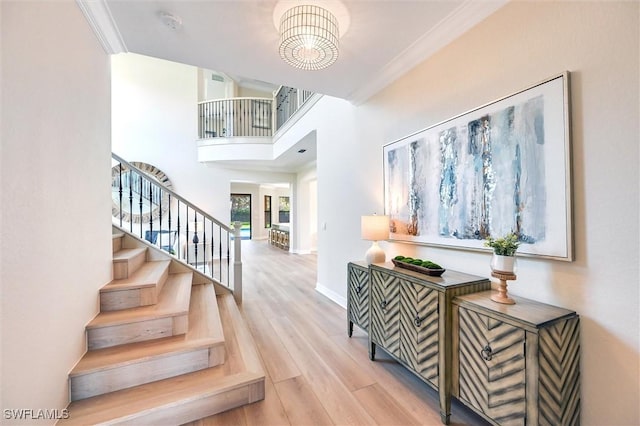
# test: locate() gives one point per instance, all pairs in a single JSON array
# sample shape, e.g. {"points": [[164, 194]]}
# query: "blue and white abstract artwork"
{"points": [[503, 167]]}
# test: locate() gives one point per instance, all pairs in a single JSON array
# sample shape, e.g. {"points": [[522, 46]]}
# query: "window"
{"points": [[241, 212], [267, 211], [283, 210]]}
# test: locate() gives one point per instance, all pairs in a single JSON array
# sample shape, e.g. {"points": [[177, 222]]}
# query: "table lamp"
{"points": [[374, 228]]}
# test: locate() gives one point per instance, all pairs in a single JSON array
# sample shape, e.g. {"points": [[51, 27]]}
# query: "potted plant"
{"points": [[504, 251]]}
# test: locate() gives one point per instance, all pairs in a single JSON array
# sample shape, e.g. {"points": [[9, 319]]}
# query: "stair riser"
{"points": [[134, 298], [104, 337], [141, 292], [127, 376], [123, 268], [191, 410], [116, 244]]}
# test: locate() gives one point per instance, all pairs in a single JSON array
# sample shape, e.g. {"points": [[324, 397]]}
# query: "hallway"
{"points": [[316, 375]]}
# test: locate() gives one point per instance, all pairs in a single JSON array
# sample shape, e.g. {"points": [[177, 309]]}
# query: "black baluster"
{"points": [[196, 240], [169, 221], [150, 209], [178, 230], [228, 261], [130, 202], [220, 250], [244, 117], [120, 191], [187, 215], [159, 191], [204, 243], [212, 249], [141, 191]]}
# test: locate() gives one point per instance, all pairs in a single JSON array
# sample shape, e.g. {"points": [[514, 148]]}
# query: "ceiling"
{"points": [[384, 40]]}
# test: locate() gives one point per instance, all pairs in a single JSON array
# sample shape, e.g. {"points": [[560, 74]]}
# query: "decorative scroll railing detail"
{"points": [[155, 213], [235, 117]]}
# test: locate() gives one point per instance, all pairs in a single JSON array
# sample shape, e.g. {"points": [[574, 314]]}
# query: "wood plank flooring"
{"points": [[316, 375]]}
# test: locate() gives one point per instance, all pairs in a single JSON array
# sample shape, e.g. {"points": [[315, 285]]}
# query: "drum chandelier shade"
{"points": [[309, 37]]}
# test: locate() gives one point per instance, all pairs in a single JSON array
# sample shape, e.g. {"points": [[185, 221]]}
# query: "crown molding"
{"points": [[104, 27], [463, 18]]}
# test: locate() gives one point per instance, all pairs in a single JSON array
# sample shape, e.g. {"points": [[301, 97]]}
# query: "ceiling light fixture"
{"points": [[309, 37]]}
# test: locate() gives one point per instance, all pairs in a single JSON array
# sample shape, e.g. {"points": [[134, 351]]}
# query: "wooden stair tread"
{"points": [[147, 276], [143, 399], [236, 326], [123, 255], [173, 300], [162, 402], [205, 330]]}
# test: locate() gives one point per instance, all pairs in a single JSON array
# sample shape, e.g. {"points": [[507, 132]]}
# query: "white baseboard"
{"points": [[301, 251], [332, 295]]}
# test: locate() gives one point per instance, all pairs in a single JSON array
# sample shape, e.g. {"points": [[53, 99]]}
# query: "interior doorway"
{"points": [[241, 212]]}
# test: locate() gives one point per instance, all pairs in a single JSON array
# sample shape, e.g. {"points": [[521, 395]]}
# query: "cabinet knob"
{"points": [[358, 289], [383, 304], [487, 353], [417, 321]]}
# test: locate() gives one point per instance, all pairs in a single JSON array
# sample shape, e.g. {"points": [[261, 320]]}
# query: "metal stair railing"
{"points": [[147, 208]]}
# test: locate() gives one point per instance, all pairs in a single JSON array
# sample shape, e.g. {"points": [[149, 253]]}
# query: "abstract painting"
{"points": [[503, 167]]}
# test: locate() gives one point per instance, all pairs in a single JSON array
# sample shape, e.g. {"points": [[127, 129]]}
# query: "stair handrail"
{"points": [[201, 219]]}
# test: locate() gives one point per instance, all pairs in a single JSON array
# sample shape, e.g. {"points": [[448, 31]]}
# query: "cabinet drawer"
{"points": [[492, 376]]}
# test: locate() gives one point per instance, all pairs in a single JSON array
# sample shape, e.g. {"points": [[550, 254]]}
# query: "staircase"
{"points": [[157, 352]]}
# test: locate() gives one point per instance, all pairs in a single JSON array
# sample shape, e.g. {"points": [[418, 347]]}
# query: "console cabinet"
{"points": [[516, 364], [410, 318]]}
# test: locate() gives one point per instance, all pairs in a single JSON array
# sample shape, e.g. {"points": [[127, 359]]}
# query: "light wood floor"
{"points": [[316, 375]]}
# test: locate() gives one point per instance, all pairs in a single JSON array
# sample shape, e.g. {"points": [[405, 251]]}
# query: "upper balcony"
{"points": [[242, 131]]}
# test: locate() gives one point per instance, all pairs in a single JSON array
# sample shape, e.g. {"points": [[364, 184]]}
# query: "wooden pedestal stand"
{"points": [[501, 296]]}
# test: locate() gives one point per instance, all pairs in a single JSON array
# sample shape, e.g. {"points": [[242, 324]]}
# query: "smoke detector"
{"points": [[170, 20]]}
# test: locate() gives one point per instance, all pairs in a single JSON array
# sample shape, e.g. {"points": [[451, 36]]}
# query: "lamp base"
{"points": [[375, 254]]}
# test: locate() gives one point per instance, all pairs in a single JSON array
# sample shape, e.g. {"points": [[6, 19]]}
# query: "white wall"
{"points": [[56, 233], [155, 120], [306, 211], [521, 44]]}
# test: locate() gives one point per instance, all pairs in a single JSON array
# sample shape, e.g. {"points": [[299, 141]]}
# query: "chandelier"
{"points": [[309, 37]]}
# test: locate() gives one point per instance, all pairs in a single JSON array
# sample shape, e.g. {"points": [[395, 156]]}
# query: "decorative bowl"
{"points": [[419, 269]]}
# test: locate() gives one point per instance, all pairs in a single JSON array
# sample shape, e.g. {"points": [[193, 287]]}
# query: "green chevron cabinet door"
{"points": [[385, 311], [419, 342]]}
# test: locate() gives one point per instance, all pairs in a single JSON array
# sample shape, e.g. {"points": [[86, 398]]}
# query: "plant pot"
{"points": [[505, 264]]}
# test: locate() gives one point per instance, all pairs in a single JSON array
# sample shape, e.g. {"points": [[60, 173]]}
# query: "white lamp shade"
{"points": [[374, 228]]}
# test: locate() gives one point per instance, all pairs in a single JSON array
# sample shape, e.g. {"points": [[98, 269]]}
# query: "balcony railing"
{"points": [[235, 117], [249, 117], [288, 100]]}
